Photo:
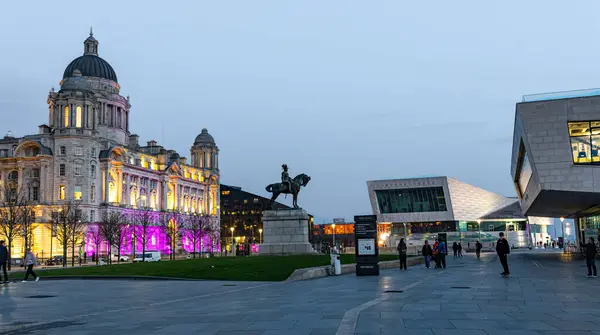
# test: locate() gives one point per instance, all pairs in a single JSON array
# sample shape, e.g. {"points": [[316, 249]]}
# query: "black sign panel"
{"points": [[367, 250]]}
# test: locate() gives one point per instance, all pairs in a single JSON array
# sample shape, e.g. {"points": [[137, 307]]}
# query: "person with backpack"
{"points": [[503, 249], [442, 251], [402, 254], [590, 257], [427, 253]]}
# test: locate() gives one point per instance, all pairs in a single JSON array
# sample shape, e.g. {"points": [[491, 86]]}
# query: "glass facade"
{"points": [[585, 141], [424, 199], [525, 173], [589, 222]]}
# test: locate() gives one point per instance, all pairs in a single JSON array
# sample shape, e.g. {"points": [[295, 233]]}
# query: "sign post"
{"points": [[367, 250]]}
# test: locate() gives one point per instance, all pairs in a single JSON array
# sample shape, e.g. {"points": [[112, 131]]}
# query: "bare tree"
{"points": [[61, 222], [196, 227], [27, 218], [170, 225], [121, 232], [142, 220], [10, 217], [97, 239], [77, 223], [109, 227]]}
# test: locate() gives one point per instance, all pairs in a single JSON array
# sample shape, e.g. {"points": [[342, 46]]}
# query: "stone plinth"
{"points": [[285, 232]]}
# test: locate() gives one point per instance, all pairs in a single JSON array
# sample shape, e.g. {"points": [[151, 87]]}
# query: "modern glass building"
{"points": [[555, 161], [420, 208]]}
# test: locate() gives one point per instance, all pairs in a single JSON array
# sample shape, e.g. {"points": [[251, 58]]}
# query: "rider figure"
{"points": [[285, 177]]}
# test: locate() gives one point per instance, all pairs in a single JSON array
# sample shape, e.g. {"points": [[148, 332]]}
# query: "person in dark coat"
{"points": [[460, 250], [503, 249], [455, 249], [427, 253], [590, 257], [478, 247], [402, 252], [3, 261]]}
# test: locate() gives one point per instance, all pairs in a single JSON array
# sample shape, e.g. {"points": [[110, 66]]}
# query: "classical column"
{"points": [[176, 191], [127, 193], [107, 183], [164, 190], [42, 188]]}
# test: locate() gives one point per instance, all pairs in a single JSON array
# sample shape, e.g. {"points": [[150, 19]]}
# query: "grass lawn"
{"points": [[255, 268]]}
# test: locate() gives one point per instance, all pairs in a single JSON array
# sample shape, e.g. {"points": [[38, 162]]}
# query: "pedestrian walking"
{"points": [[3, 261], [590, 257], [455, 249], [442, 251], [459, 250], [436, 259], [29, 262], [427, 253], [402, 253], [502, 249], [478, 247]]}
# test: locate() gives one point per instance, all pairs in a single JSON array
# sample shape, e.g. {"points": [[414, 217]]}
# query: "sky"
{"points": [[344, 91]]}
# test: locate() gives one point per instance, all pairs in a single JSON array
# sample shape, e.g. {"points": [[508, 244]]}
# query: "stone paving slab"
{"points": [[550, 296]]}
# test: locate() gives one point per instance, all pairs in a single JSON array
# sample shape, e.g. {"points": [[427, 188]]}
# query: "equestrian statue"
{"points": [[288, 185]]}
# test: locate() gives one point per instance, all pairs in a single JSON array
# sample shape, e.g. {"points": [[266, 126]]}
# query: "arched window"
{"points": [[78, 117], [67, 116]]}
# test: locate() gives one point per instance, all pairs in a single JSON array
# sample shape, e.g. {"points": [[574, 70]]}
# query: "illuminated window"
{"points": [[77, 192], [61, 192], [63, 151], [62, 170], [582, 148], [424, 199], [78, 117], [92, 192], [67, 116]]}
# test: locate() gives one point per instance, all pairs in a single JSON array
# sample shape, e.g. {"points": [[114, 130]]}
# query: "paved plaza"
{"points": [[547, 294]]}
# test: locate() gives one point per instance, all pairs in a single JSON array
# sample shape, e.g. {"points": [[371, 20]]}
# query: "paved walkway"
{"points": [[547, 294]]}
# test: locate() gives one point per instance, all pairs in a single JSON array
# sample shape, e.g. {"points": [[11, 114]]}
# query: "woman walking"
{"points": [[402, 252], [29, 262]]}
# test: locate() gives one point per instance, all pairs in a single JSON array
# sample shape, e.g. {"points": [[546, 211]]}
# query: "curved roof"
{"points": [[204, 138], [91, 66]]}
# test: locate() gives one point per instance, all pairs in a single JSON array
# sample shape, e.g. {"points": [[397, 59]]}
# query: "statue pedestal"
{"points": [[285, 232]]}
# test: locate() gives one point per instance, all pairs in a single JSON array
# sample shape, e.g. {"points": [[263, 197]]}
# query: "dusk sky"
{"points": [[344, 91]]}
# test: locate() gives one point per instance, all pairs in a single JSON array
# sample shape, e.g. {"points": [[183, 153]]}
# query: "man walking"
{"points": [[427, 253], [590, 257], [29, 262], [3, 261], [503, 249], [478, 247], [402, 253], [442, 251]]}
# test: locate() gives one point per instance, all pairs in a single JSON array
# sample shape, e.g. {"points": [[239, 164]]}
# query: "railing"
{"points": [[561, 95]]}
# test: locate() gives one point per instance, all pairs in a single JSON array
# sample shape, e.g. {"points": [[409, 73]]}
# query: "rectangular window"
{"points": [[585, 141], [78, 169], [424, 199], [78, 151], [92, 191], [77, 192], [62, 170], [93, 153], [36, 194], [93, 171], [92, 215], [63, 151], [67, 116], [61, 192], [78, 117]]}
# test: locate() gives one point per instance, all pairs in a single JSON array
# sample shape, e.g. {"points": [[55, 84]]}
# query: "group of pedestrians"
{"points": [[437, 253], [29, 261], [457, 248]]}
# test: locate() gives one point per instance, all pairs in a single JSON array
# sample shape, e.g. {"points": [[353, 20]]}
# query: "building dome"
{"points": [[90, 65], [204, 138]]}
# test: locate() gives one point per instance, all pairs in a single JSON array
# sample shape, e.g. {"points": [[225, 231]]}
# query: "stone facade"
{"points": [[87, 154], [285, 232]]}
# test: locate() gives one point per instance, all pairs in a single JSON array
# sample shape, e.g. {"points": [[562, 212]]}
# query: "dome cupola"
{"points": [[90, 64], [204, 138]]}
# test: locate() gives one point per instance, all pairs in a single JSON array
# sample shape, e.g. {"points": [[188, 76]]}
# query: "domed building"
{"points": [[87, 158]]}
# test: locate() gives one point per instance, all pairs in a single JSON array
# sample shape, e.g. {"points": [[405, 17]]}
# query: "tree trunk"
{"points": [[73, 252], [65, 254], [9, 251], [195, 248], [109, 254]]}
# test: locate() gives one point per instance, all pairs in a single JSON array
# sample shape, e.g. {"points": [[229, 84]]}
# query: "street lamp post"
{"points": [[260, 235], [333, 229], [232, 246], [562, 224]]}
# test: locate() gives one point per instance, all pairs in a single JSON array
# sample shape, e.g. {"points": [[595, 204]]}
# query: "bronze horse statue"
{"points": [[279, 188]]}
